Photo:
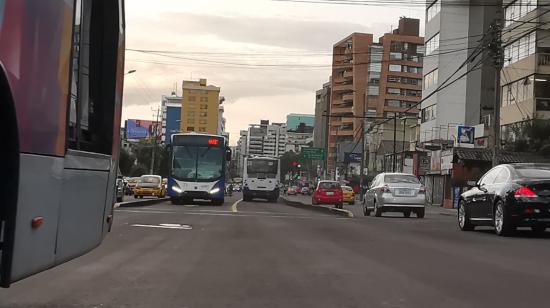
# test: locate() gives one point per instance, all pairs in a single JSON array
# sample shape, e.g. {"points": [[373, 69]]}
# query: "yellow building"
{"points": [[199, 107]]}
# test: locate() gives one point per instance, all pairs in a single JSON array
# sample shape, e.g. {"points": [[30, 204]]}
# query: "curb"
{"points": [[319, 208], [442, 211], [136, 203]]}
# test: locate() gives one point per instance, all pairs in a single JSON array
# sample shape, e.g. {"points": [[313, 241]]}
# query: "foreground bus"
{"points": [[61, 68], [261, 176], [197, 169]]}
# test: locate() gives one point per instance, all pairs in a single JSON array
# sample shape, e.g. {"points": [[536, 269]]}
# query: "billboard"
{"points": [[142, 129], [465, 136], [352, 158]]}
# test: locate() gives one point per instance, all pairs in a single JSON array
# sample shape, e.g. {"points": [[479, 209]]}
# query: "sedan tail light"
{"points": [[524, 192], [386, 189], [422, 190]]}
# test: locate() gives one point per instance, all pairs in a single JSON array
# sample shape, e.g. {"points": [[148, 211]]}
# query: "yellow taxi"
{"points": [[349, 195], [149, 185]]}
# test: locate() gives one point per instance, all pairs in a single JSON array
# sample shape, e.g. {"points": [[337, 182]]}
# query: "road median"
{"points": [[319, 208], [140, 202]]}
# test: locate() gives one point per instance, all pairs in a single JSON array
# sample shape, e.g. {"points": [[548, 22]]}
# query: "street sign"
{"points": [[313, 153], [352, 157]]}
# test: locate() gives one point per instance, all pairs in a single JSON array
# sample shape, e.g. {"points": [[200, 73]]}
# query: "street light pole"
{"points": [[151, 169], [394, 161]]}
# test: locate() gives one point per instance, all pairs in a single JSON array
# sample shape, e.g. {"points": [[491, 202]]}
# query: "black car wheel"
{"points": [[407, 213], [377, 210], [464, 222], [503, 226], [420, 213], [366, 211]]}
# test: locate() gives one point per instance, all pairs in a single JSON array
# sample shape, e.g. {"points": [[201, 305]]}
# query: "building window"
{"points": [[395, 68], [192, 98], [373, 91], [413, 69], [519, 49], [191, 105], [432, 44], [190, 128], [517, 91], [204, 114], [202, 129], [202, 121], [394, 79], [204, 106], [204, 99], [429, 113], [431, 79], [396, 56], [191, 121], [517, 9], [433, 10], [393, 103], [393, 91]]}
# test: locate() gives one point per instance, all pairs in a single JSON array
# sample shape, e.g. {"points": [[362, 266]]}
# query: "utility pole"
{"points": [[361, 172], [394, 160], [154, 135], [496, 49]]}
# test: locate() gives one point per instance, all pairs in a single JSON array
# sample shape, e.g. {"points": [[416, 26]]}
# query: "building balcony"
{"points": [[347, 97], [348, 120], [348, 74], [342, 110], [342, 87]]}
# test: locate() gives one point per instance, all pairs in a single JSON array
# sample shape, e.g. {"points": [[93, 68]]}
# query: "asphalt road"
{"points": [[258, 254]]}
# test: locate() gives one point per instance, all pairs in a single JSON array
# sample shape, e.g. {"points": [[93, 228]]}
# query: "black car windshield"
{"points": [[534, 172], [262, 168], [401, 178], [329, 185], [197, 163]]}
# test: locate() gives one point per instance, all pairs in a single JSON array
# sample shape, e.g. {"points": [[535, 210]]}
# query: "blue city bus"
{"points": [[197, 168]]}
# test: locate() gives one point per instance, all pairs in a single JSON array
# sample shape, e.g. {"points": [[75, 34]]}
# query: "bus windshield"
{"points": [[259, 168], [197, 163]]}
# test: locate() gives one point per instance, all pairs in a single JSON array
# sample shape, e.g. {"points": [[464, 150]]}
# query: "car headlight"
{"points": [[215, 191], [177, 189]]}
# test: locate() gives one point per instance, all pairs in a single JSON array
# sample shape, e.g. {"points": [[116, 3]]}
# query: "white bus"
{"points": [[261, 178]]}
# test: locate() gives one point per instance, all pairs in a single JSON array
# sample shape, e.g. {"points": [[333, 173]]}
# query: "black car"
{"points": [[507, 197]]}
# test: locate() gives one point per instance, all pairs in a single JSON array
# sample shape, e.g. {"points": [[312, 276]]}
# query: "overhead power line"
{"points": [[400, 3]]}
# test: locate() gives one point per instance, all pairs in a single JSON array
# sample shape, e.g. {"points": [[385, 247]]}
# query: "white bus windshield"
{"points": [[197, 163], [258, 168]]}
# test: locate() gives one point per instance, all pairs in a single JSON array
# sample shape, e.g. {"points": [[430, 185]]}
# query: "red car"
{"points": [[328, 192]]}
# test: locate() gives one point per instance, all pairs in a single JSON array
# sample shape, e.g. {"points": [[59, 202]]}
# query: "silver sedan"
{"points": [[395, 192]]}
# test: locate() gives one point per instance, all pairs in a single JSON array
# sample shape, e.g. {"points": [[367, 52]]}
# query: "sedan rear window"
{"points": [[149, 180], [534, 172], [401, 178], [329, 185]]}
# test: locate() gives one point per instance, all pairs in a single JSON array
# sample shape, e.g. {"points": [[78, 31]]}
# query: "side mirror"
{"points": [[228, 154]]}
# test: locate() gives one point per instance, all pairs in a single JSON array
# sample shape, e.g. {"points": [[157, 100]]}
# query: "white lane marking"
{"points": [[165, 226], [240, 214], [234, 206]]}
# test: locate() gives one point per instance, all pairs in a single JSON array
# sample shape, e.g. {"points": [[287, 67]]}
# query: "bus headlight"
{"points": [[177, 189], [215, 191]]}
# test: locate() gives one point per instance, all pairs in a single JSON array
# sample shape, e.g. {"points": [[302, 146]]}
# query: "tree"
{"points": [[144, 151], [125, 161], [530, 137]]}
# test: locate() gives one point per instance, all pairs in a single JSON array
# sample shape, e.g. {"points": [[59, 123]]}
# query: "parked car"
{"points": [[305, 191], [328, 192], [349, 195], [132, 182], [395, 192], [119, 189], [292, 190], [149, 185], [507, 197]]}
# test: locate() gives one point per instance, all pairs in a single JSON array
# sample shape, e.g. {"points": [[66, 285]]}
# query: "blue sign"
{"points": [[352, 158], [466, 134]]}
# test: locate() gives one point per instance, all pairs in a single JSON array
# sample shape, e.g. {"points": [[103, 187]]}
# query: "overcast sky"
{"points": [[268, 57]]}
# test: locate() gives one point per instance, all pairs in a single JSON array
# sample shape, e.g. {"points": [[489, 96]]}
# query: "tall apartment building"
{"points": [[322, 104], [266, 139], [171, 116], [350, 59], [452, 34], [200, 107], [381, 79], [241, 151], [525, 77]]}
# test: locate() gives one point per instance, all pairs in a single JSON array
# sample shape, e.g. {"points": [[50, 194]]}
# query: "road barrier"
{"points": [[140, 202], [318, 208]]}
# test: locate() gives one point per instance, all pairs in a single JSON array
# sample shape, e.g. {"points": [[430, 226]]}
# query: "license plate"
{"points": [[330, 193], [404, 192]]}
